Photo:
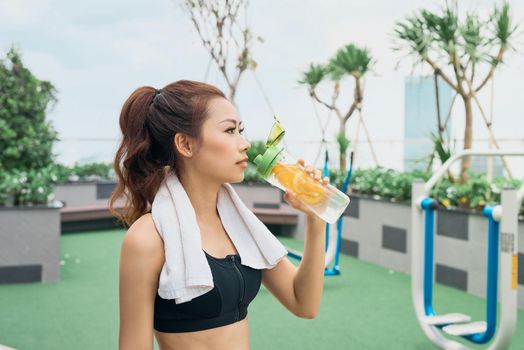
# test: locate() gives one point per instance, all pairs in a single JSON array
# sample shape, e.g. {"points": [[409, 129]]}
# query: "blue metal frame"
{"points": [[429, 205], [335, 270], [492, 283]]}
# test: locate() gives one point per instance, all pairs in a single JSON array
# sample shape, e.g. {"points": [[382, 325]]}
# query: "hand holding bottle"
{"points": [[293, 199]]}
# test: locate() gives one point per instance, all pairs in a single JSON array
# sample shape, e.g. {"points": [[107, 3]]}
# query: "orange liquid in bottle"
{"points": [[292, 177]]}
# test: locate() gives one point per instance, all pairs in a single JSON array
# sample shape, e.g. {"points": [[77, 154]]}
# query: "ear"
{"points": [[184, 144]]}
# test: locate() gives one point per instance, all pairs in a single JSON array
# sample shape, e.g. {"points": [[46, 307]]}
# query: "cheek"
{"points": [[219, 148], [216, 154]]}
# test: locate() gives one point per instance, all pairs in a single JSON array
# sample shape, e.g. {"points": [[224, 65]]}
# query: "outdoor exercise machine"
{"points": [[502, 247]]}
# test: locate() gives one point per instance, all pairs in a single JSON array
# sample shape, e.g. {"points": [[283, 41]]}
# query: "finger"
{"points": [[300, 161], [291, 200]]}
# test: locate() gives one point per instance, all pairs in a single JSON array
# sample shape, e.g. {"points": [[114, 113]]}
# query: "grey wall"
{"points": [[30, 245], [80, 194]]}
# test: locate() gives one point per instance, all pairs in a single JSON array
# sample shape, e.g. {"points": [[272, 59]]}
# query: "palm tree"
{"points": [[457, 50], [349, 60]]}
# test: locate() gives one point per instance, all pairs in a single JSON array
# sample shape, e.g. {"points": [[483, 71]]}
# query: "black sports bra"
{"points": [[235, 287]]}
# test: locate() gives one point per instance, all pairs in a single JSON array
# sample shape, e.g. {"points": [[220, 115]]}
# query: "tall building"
{"points": [[420, 118]]}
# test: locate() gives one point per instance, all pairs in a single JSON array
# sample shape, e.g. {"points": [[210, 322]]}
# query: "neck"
{"points": [[202, 194]]}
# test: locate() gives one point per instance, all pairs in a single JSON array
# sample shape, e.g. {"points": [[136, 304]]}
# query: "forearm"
{"points": [[309, 280]]}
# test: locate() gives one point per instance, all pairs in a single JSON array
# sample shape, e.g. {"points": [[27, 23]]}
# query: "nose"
{"points": [[246, 145]]}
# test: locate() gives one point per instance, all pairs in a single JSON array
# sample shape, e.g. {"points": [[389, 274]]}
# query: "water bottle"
{"points": [[281, 170]]}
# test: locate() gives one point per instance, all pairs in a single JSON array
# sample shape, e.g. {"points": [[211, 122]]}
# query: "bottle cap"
{"points": [[276, 134], [266, 161]]}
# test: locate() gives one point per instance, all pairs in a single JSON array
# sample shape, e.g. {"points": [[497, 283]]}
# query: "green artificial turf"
{"points": [[367, 307]]}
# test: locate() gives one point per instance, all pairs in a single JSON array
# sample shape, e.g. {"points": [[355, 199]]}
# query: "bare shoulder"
{"points": [[143, 240], [141, 261]]}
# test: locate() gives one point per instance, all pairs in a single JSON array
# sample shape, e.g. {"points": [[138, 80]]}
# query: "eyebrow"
{"points": [[234, 121]]}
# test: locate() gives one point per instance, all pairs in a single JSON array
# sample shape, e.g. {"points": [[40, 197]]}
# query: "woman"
{"points": [[191, 129]]}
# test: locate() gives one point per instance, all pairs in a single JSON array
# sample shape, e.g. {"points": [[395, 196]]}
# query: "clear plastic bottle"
{"points": [[281, 170]]}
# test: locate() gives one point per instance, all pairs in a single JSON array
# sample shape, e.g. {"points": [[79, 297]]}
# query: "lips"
{"points": [[243, 160]]}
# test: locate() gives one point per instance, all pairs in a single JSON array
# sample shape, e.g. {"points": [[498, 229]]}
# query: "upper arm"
{"points": [[280, 282], [141, 259]]}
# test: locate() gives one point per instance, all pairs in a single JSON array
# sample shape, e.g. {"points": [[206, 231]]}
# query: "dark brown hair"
{"points": [[149, 120]]}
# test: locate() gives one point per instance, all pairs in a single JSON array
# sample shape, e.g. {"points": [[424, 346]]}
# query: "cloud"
{"points": [[23, 12]]}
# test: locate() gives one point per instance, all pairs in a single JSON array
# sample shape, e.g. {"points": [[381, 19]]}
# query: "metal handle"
{"points": [[445, 167]]}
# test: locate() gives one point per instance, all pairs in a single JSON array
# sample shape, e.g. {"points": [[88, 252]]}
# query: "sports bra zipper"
{"points": [[242, 288]]}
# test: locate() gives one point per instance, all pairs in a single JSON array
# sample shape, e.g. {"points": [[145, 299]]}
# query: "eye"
{"points": [[233, 129]]}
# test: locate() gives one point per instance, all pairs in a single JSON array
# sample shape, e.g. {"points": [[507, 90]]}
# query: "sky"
{"points": [[97, 52]]}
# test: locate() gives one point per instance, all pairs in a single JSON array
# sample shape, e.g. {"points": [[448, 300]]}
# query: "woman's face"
{"points": [[223, 144]]}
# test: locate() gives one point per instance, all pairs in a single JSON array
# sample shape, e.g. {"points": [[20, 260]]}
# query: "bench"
{"points": [[85, 218]]}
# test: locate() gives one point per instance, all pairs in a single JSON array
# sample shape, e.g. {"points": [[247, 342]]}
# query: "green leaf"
{"points": [[502, 25], [443, 153], [350, 60], [314, 75], [343, 143], [472, 38]]}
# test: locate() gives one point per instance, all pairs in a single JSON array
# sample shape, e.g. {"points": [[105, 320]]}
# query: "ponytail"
{"points": [[136, 169]]}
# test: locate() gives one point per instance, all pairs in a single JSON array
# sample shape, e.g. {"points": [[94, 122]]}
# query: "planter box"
{"points": [[84, 194], [86, 205], [379, 231], [30, 244]]}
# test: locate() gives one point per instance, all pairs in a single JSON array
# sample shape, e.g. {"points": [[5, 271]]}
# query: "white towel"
{"points": [[186, 273]]}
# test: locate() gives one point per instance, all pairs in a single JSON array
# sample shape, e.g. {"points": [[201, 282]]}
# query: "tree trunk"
{"points": [[231, 95], [342, 151], [468, 138]]}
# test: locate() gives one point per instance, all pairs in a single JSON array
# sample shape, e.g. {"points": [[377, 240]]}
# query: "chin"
{"points": [[236, 179]]}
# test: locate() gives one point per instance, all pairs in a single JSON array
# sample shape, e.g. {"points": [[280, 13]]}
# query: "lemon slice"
{"points": [[308, 189]]}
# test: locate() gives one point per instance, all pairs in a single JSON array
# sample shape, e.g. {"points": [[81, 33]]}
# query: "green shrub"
{"points": [[396, 186], [60, 173], [26, 187], [85, 172], [385, 183], [26, 138], [93, 171]]}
